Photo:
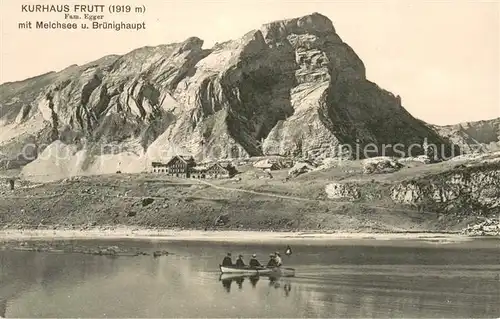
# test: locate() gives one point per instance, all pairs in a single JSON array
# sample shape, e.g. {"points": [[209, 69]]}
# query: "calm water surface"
{"points": [[333, 279]]}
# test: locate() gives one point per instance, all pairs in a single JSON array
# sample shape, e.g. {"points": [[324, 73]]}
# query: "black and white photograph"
{"points": [[249, 159]]}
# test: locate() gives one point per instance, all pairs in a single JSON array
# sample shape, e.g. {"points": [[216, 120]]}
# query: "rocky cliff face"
{"points": [[342, 191], [471, 137], [468, 190], [291, 88], [456, 193]]}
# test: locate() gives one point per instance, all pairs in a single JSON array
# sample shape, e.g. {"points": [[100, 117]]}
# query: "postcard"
{"points": [[260, 159]]}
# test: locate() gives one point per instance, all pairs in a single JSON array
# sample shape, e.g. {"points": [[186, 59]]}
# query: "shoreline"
{"points": [[221, 235]]}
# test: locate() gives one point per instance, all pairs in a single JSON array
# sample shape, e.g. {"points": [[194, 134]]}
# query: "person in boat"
{"points": [[277, 257], [272, 261], [288, 250], [239, 262], [254, 263], [227, 261]]}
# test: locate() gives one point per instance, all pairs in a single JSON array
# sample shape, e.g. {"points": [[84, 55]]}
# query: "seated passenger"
{"points": [[227, 261], [239, 262], [272, 261], [254, 263], [278, 259]]}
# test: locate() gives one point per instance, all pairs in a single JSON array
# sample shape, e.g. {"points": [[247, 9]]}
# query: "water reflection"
{"points": [[3, 308], [187, 283], [254, 280], [227, 280], [226, 283], [274, 282]]}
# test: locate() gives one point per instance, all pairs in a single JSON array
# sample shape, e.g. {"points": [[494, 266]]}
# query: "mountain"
{"points": [[479, 136], [293, 87]]}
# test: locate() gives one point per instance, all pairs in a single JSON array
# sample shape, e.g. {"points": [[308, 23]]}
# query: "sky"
{"points": [[441, 57]]}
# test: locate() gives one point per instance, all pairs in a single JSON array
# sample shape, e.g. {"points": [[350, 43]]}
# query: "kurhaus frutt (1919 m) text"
{"points": [[83, 16]]}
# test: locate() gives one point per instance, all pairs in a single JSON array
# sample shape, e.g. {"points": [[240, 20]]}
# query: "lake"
{"points": [[337, 278]]}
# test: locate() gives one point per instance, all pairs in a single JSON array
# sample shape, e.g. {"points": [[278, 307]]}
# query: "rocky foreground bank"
{"points": [[92, 241], [489, 227], [75, 248]]}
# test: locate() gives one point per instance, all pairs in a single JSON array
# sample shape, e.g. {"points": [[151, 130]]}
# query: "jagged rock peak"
{"points": [[314, 23], [191, 43], [291, 88]]}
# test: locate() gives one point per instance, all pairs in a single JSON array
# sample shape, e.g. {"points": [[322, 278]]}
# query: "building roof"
{"points": [[266, 163], [204, 168], [158, 164], [183, 158], [219, 165]]}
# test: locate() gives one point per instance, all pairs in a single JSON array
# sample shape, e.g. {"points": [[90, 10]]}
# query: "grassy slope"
{"points": [[116, 200]]}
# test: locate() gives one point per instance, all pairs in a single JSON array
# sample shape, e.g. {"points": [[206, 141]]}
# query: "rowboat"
{"points": [[244, 270], [261, 271]]}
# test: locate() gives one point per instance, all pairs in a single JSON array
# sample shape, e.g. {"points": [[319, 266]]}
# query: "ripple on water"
{"points": [[347, 281]]}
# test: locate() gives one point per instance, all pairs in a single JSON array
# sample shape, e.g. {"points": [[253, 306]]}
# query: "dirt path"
{"points": [[259, 193], [306, 199], [35, 196], [206, 183]]}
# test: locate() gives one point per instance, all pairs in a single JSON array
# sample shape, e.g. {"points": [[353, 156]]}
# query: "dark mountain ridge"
{"points": [[291, 88]]}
